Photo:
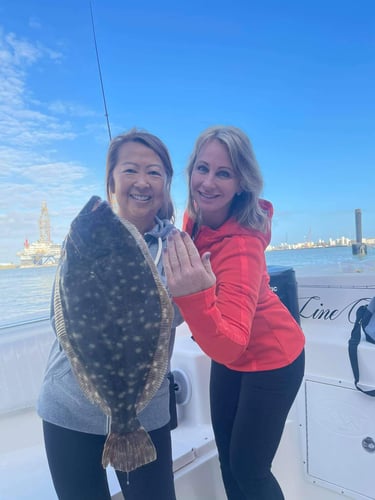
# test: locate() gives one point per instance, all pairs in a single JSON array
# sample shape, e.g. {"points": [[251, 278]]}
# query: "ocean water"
{"points": [[26, 293], [330, 260]]}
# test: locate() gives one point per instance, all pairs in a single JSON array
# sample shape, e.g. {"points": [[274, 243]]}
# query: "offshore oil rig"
{"points": [[43, 252]]}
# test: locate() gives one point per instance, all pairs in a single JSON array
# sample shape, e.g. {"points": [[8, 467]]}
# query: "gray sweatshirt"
{"points": [[61, 400]]}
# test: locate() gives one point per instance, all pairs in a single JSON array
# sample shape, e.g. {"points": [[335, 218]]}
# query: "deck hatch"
{"points": [[338, 421]]}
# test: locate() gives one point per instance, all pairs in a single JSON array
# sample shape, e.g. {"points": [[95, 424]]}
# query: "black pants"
{"points": [[249, 411], [74, 460]]}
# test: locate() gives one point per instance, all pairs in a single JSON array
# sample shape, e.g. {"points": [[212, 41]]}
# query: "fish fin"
{"points": [[159, 365], [126, 452], [83, 379]]}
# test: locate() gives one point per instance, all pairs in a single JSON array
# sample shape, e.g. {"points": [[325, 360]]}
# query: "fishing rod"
{"points": [[100, 75]]}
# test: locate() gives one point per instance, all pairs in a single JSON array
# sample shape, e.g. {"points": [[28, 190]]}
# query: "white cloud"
{"points": [[35, 23], [70, 108], [32, 135], [20, 52], [55, 173]]}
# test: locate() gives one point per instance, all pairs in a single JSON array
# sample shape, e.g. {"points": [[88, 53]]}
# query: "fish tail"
{"points": [[126, 452]]}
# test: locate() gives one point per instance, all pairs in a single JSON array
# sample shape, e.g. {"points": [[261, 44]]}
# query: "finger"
{"points": [[181, 250], [190, 248], [167, 265], [206, 261], [173, 255], [171, 276]]}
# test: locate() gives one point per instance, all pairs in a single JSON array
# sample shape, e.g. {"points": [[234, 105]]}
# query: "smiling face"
{"points": [[214, 183], [139, 184]]}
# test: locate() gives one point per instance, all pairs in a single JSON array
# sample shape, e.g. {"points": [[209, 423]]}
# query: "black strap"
{"points": [[353, 343], [172, 402]]}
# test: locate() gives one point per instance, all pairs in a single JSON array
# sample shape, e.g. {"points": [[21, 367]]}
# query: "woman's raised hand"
{"points": [[185, 270]]}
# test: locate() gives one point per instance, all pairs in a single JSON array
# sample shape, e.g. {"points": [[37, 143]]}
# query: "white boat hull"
{"points": [[321, 455]]}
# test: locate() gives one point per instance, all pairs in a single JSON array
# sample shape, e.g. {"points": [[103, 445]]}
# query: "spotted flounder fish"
{"points": [[113, 318]]}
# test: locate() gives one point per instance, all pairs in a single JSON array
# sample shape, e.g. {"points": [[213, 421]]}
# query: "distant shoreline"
{"points": [[9, 266], [312, 247], [282, 249], [268, 250], [18, 266]]}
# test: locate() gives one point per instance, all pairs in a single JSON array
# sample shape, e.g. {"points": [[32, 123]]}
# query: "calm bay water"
{"points": [[26, 293]]}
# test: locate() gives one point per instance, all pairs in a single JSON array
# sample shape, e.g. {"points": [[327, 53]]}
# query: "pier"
{"points": [[358, 247]]}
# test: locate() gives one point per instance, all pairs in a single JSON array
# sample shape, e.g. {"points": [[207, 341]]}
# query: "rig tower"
{"points": [[43, 252]]}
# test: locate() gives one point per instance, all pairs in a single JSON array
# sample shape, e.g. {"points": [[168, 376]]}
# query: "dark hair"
{"points": [[152, 142], [245, 206]]}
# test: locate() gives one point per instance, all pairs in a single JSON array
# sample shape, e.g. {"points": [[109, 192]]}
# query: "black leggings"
{"points": [[248, 411], [74, 460]]}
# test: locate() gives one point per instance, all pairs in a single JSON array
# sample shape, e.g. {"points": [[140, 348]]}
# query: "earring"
{"points": [[114, 204]]}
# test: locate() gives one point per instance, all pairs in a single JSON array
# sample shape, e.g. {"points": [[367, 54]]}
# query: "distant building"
{"points": [[43, 252]]}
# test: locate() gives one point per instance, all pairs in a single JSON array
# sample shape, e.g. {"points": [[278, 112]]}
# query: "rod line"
{"points": [[100, 75]]}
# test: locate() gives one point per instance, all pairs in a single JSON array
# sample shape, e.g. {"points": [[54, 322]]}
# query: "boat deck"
{"points": [[23, 460], [321, 455], [23, 355]]}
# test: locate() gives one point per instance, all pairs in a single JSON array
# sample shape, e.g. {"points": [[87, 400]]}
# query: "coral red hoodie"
{"points": [[240, 322]]}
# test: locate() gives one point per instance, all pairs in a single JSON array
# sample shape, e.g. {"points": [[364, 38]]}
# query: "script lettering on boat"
{"points": [[313, 308]]}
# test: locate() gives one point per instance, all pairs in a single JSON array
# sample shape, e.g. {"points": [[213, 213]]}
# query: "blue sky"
{"points": [[298, 77]]}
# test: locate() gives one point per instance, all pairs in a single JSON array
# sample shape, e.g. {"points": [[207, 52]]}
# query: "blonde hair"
{"points": [[245, 206]]}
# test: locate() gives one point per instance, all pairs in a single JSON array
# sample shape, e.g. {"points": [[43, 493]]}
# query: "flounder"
{"points": [[113, 318]]}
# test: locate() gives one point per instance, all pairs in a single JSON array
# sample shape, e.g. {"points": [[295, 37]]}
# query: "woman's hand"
{"points": [[185, 270]]}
